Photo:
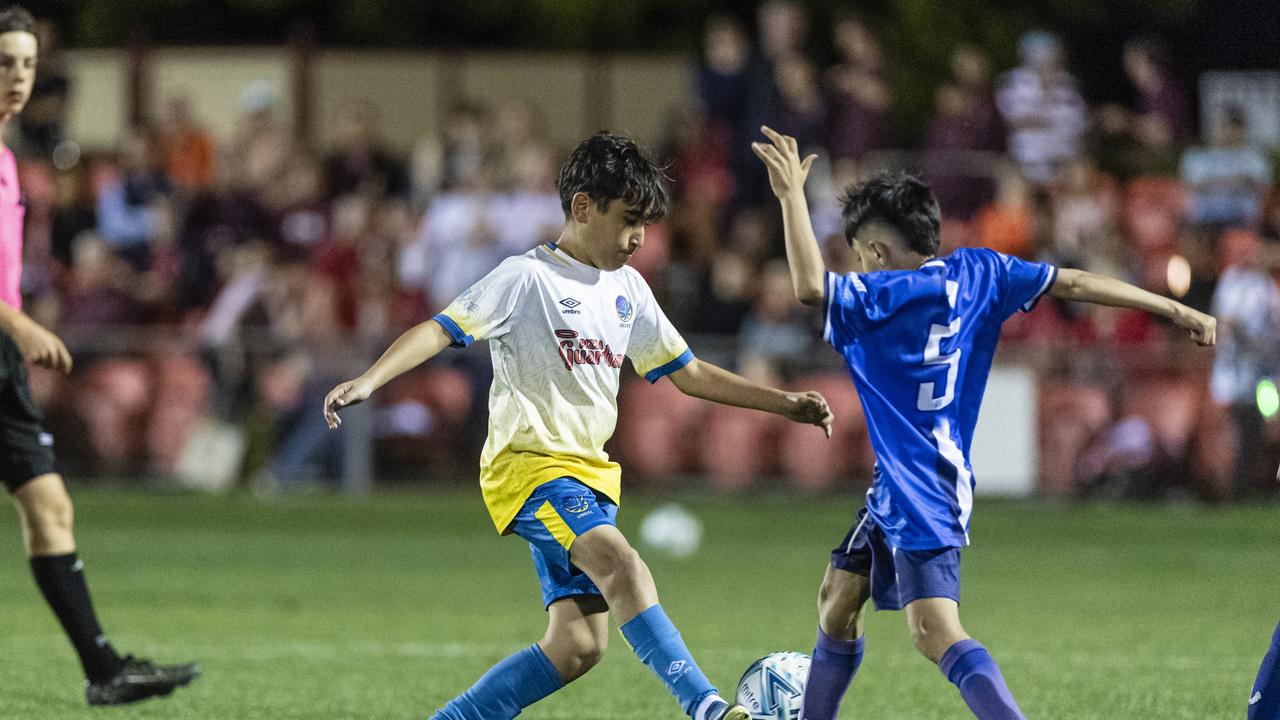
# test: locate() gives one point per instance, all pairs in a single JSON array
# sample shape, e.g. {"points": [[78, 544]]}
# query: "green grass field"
{"points": [[321, 609]]}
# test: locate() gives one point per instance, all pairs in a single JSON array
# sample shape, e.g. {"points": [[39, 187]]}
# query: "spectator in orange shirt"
{"points": [[1007, 224], [187, 148]]}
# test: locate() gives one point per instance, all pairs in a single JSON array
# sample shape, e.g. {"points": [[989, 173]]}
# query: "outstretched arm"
{"points": [[1102, 290], [416, 346], [787, 173], [703, 380]]}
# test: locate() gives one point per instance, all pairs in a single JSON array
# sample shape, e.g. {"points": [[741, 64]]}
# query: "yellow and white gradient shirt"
{"points": [[558, 331]]}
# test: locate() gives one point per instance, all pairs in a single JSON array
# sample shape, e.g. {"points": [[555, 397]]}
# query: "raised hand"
{"points": [[787, 172], [352, 392]]}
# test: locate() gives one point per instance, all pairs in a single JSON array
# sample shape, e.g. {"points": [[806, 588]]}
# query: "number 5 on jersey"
{"points": [[925, 401]]}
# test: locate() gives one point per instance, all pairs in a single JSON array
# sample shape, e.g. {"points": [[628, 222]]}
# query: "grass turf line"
{"points": [[321, 609]]}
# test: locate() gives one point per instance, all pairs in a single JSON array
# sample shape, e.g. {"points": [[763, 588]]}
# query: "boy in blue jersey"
{"points": [[918, 334]]}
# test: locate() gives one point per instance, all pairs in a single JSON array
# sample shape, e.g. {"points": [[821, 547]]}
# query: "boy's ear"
{"points": [[580, 206]]}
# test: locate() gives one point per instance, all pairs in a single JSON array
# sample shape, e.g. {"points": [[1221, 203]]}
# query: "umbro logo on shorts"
{"points": [[1256, 697], [571, 307], [45, 439]]}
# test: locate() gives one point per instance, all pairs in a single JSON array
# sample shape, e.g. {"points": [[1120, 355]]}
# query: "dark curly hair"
{"points": [[902, 202], [609, 167]]}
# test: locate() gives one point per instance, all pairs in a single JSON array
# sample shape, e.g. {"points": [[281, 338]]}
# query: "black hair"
{"points": [[609, 167], [902, 202], [15, 18]]}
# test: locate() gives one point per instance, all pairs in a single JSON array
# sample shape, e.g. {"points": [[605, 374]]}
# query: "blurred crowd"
{"points": [[288, 267]]}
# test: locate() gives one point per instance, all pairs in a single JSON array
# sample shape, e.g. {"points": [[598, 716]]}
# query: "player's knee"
{"points": [[839, 609], [931, 636], [49, 515]]}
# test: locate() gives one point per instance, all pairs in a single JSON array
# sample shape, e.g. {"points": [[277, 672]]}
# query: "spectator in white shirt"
{"points": [[1043, 110]]}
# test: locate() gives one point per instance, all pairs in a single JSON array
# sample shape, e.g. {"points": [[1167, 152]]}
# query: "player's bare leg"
{"points": [[838, 652], [577, 635], [841, 599], [935, 629], [45, 516], [616, 568], [934, 624]]}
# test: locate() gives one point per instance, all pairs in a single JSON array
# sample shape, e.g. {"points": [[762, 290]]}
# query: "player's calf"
{"points": [[937, 633], [837, 654]]}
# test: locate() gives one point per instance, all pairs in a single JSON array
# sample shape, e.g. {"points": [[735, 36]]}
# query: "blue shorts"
{"points": [[898, 577], [551, 519]]}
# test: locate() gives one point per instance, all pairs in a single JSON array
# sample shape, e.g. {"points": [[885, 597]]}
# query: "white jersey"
{"points": [[558, 331]]}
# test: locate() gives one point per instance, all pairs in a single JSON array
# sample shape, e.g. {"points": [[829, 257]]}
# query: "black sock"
{"points": [[61, 580]]}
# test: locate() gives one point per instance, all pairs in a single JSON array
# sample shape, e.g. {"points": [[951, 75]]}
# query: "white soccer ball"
{"points": [[773, 687], [672, 530]]}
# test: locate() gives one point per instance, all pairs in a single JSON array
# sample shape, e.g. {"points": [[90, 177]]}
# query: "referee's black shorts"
{"points": [[26, 450]]}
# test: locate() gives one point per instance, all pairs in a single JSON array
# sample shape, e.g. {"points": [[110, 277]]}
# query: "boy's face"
{"points": [[17, 71], [611, 236]]}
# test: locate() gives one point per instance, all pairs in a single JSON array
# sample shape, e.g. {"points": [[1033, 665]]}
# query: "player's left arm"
{"points": [[787, 174], [703, 380], [1101, 290]]}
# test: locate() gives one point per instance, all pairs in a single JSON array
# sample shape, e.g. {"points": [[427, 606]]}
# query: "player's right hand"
{"points": [[787, 172], [1203, 328], [41, 347], [810, 408], [351, 392]]}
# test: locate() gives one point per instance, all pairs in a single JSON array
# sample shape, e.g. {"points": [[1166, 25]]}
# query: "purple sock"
{"points": [[970, 667], [1264, 701], [833, 667]]}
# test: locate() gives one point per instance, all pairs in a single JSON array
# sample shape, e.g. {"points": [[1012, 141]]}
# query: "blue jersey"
{"points": [[919, 344]]}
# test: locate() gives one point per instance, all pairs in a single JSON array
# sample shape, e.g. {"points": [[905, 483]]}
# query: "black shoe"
{"points": [[140, 679]]}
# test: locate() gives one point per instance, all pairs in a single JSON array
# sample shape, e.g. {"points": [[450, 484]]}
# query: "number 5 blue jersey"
{"points": [[919, 345]]}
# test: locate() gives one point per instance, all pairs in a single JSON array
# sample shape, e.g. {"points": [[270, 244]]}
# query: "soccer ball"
{"points": [[671, 530], [773, 687]]}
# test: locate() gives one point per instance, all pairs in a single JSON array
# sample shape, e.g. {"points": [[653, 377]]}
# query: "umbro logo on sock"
{"points": [[77, 566], [676, 668], [1256, 697]]}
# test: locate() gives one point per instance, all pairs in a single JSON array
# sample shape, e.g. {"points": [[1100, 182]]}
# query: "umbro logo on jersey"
{"points": [[571, 307]]}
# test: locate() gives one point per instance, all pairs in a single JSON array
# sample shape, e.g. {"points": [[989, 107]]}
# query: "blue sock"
{"points": [[970, 667], [512, 685], [834, 664], [1264, 701], [657, 643]]}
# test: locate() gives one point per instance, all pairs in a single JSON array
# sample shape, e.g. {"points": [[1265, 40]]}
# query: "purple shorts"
{"points": [[898, 577]]}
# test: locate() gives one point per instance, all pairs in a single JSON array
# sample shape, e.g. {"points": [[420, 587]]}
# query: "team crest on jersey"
{"points": [[577, 505], [623, 306]]}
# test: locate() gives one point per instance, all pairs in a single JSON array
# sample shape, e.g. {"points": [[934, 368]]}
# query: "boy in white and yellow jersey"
{"points": [[560, 319]]}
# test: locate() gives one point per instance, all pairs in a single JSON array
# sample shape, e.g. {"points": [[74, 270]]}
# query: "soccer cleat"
{"points": [[140, 679], [724, 711]]}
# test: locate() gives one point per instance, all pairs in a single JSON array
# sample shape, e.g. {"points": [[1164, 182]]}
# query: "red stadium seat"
{"points": [[658, 430], [812, 462], [1070, 415]]}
